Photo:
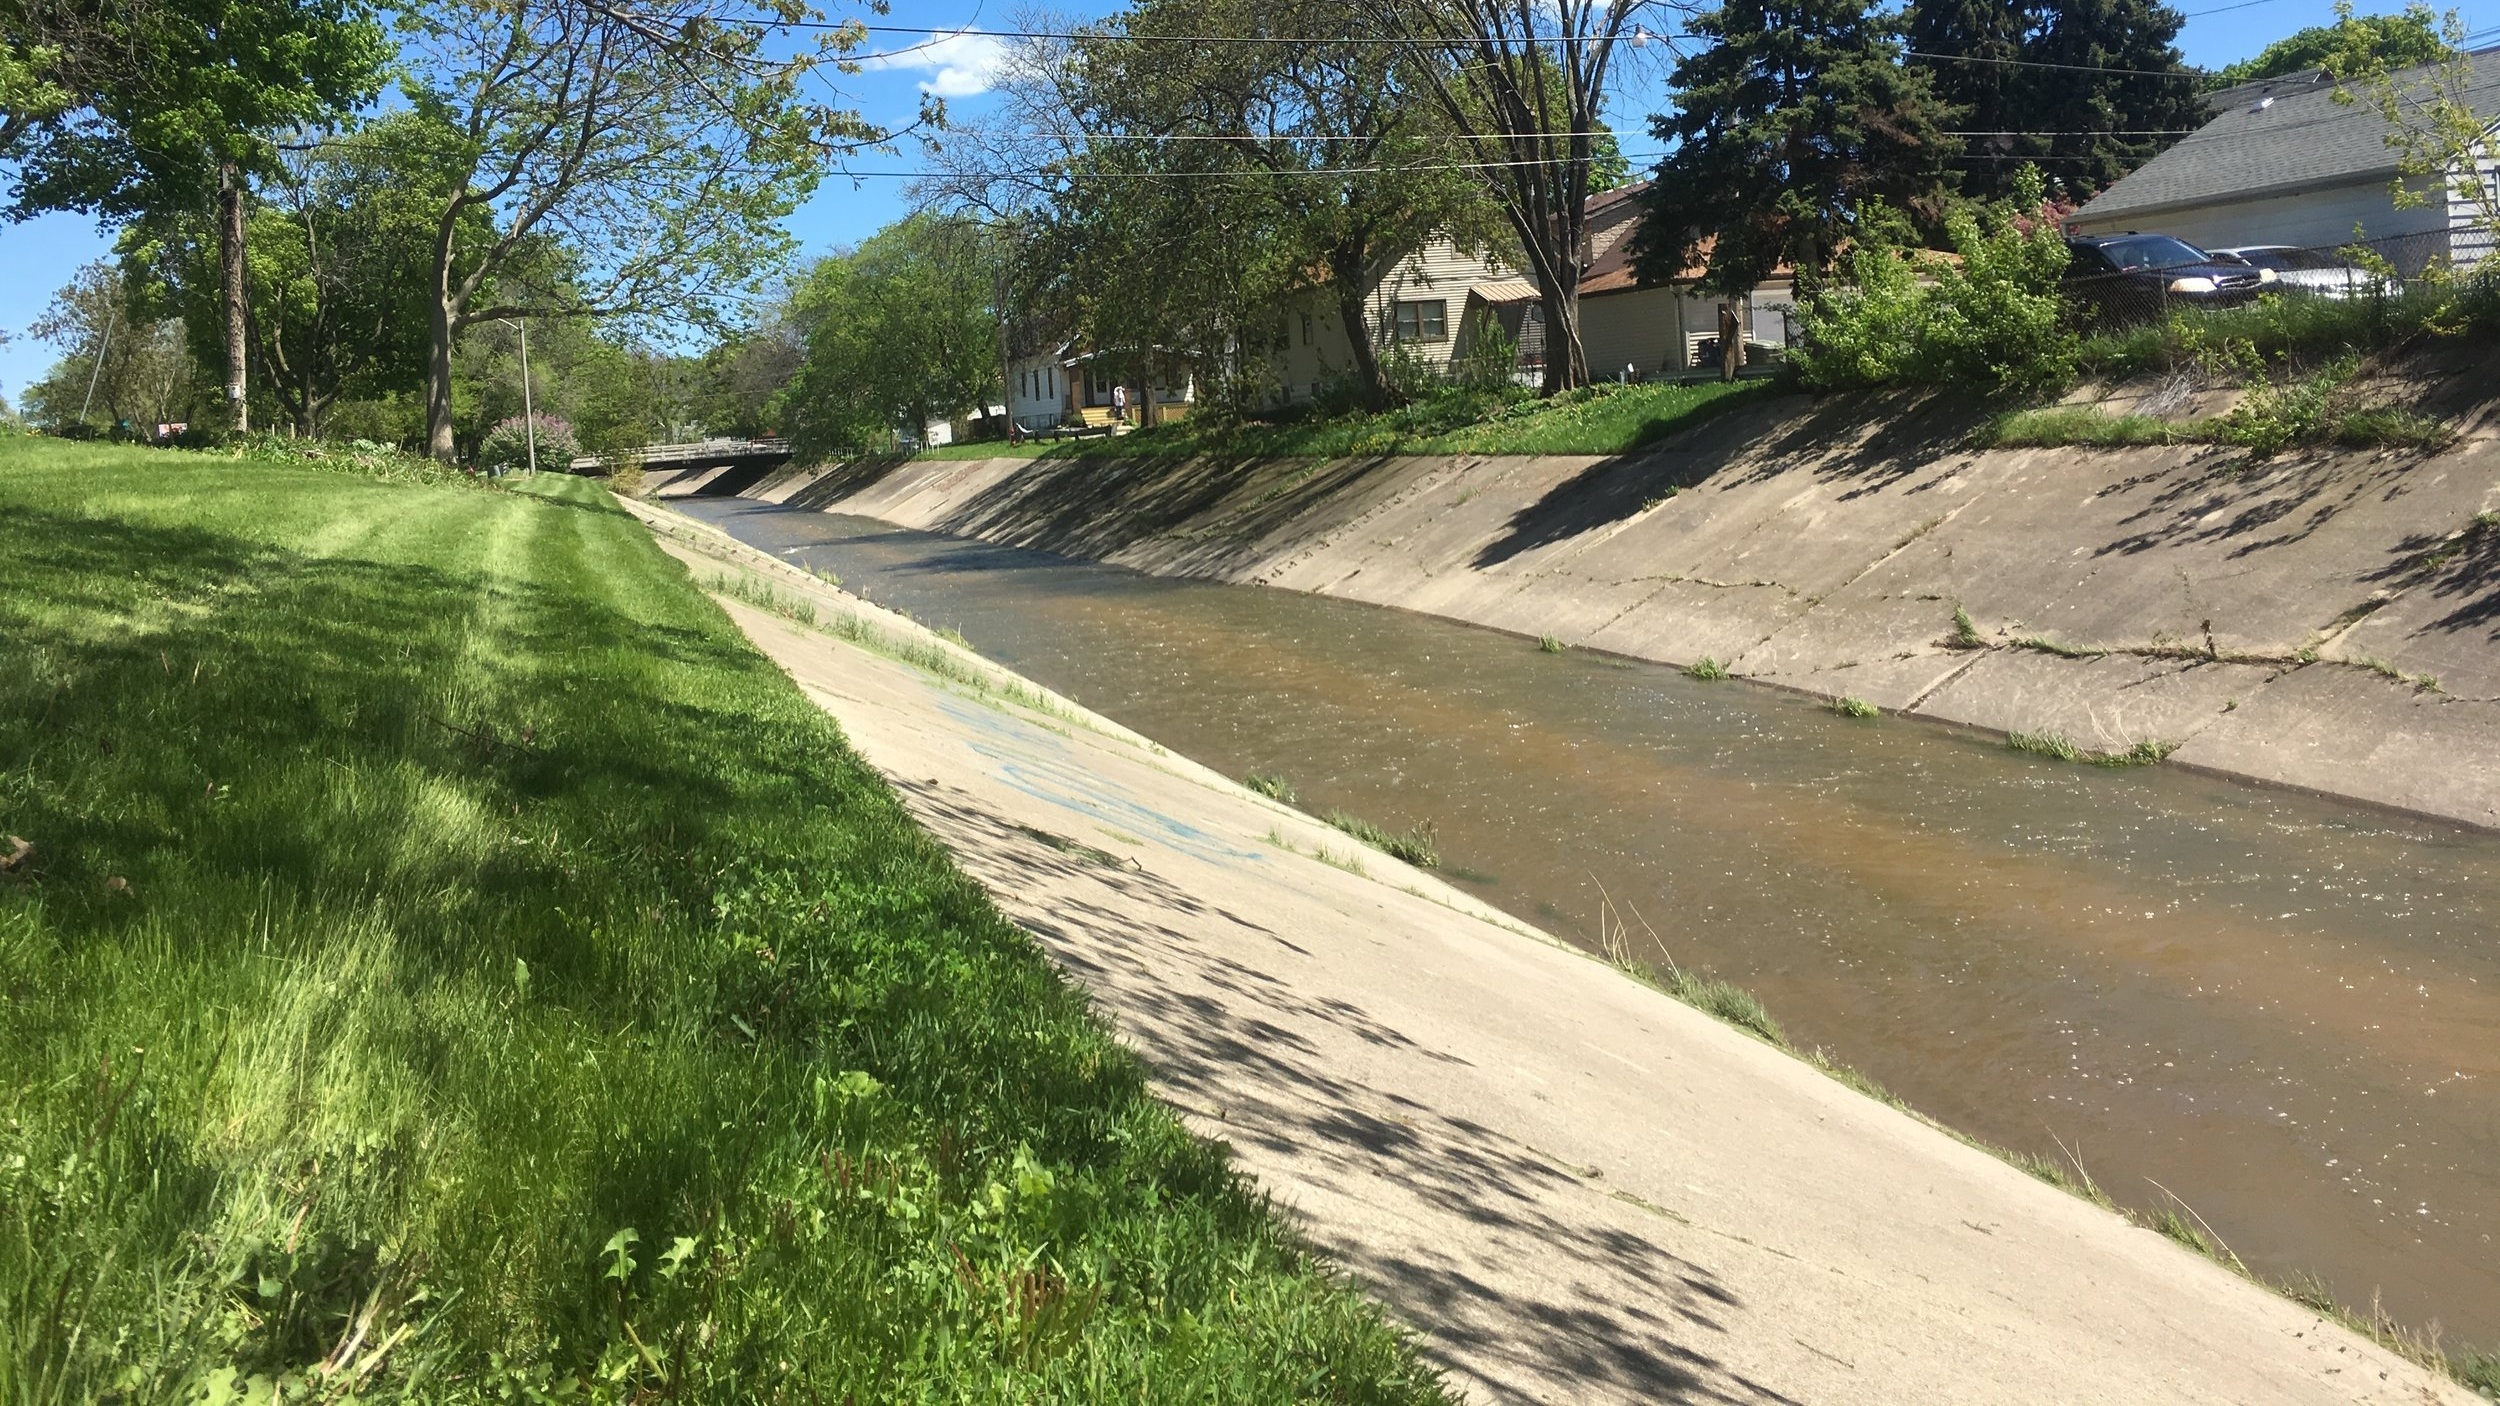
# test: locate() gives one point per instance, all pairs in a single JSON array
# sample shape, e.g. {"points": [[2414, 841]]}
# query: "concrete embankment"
{"points": [[1574, 1187], [2325, 621]]}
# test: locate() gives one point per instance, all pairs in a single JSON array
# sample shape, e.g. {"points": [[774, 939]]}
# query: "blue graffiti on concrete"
{"points": [[1042, 765]]}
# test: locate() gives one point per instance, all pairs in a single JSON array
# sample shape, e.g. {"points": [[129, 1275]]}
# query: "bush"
{"points": [[1992, 323], [506, 446]]}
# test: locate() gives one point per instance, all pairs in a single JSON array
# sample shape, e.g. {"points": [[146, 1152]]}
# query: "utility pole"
{"points": [[1006, 382], [529, 416], [89, 403]]}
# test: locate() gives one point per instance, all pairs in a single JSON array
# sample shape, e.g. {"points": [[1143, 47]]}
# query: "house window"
{"points": [[1306, 329], [1426, 321]]}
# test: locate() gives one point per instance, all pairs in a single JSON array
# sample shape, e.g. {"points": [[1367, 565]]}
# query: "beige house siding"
{"points": [[1310, 346], [1644, 328]]}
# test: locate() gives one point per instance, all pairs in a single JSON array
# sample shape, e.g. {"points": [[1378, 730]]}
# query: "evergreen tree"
{"points": [[1969, 51], [2117, 95], [1796, 113]]}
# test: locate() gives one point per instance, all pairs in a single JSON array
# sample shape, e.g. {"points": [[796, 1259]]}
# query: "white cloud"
{"points": [[959, 64]]}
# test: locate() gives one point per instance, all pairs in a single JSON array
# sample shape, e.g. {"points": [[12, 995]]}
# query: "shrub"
{"points": [[1992, 323], [506, 446]]}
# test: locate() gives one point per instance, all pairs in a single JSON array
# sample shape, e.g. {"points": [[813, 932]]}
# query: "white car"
{"points": [[2310, 271]]}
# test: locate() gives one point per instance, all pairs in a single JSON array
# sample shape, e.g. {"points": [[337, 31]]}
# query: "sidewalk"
{"points": [[1576, 1188]]}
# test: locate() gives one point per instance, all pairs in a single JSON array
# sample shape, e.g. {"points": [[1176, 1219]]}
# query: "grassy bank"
{"points": [[1602, 419], [450, 965]]}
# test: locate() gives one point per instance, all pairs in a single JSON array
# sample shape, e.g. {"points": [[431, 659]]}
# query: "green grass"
{"points": [[1550, 645], [448, 950], [1416, 846], [1849, 706], [1707, 669], [2062, 426], [2056, 745], [1601, 419], [2299, 328], [1270, 785]]}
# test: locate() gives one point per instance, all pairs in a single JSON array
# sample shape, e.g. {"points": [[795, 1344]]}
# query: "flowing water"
{"points": [[2282, 1011]]}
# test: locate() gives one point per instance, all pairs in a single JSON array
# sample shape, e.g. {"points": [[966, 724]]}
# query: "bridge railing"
{"points": [[701, 451]]}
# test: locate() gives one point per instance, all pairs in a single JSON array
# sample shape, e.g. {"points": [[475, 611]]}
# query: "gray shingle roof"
{"points": [[2279, 139]]}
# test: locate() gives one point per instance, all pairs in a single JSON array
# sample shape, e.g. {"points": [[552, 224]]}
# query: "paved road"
{"points": [[1578, 1189]]}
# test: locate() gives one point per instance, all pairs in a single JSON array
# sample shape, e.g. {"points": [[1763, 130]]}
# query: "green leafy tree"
{"points": [[1334, 140], [120, 363], [2345, 48], [338, 242], [1792, 115], [660, 150], [2445, 142], [124, 107], [898, 332]]}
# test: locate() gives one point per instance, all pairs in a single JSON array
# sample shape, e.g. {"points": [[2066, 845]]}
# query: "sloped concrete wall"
{"points": [[2326, 621]]}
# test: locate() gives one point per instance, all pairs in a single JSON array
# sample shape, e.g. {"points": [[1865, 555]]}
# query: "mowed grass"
{"points": [[452, 966], [1601, 419]]}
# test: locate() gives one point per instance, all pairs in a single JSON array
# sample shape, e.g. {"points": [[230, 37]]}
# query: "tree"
{"points": [[117, 107], [1794, 114], [2398, 41], [2444, 140], [1349, 161], [660, 147], [898, 332], [337, 247], [2113, 92], [1970, 52], [119, 365], [1522, 84]]}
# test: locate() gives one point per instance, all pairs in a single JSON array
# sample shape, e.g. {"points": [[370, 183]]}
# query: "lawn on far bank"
{"points": [[1606, 418], [446, 963]]}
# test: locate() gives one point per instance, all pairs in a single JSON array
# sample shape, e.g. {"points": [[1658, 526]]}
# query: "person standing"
{"points": [[1119, 403]]}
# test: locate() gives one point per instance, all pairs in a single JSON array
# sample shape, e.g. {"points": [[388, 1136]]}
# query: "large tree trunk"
{"points": [[1566, 362], [438, 442], [230, 269], [1345, 271]]}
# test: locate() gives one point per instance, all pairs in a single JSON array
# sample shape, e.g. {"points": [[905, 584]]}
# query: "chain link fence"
{"points": [[2117, 281]]}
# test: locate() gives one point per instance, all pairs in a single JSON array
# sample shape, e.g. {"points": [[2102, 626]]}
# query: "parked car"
{"points": [[2320, 275], [2137, 277]]}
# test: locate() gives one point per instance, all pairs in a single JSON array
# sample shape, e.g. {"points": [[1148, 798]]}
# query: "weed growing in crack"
{"points": [[1550, 645], [1853, 707], [1965, 631], [1706, 669]]}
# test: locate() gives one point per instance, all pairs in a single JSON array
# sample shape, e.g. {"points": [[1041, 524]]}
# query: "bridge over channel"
{"points": [[710, 465]]}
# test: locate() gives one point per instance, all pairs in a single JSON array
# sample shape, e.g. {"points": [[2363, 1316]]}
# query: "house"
{"points": [[1412, 309], [2282, 162], [1054, 384], [1440, 303], [1630, 330]]}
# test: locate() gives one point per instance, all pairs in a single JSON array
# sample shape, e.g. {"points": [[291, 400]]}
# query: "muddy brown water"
{"points": [[2283, 1011]]}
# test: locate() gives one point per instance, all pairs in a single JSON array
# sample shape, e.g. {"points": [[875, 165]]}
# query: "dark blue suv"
{"points": [[2115, 278]]}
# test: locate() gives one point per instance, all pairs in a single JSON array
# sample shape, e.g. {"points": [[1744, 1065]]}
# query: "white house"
{"points": [[2282, 162]]}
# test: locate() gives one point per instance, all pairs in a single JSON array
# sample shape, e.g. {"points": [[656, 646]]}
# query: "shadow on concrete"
{"points": [[2464, 568], [1633, 1321]]}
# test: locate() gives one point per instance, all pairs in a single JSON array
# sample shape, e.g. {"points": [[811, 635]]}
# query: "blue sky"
{"points": [[39, 256]]}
